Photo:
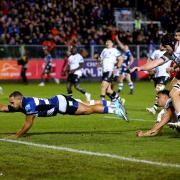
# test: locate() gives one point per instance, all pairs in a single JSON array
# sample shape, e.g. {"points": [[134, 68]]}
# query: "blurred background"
{"points": [[26, 26]]}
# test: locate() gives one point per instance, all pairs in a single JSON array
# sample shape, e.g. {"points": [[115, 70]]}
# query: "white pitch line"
{"points": [[113, 156], [131, 119]]}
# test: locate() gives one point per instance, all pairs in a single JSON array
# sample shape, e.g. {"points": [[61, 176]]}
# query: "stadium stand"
{"points": [[88, 22]]}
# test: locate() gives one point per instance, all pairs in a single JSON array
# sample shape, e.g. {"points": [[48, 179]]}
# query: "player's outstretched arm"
{"points": [[27, 125], [158, 126], [120, 44], [4, 108], [148, 66]]}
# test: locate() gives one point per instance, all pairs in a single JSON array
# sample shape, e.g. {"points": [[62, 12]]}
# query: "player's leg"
{"points": [[120, 84], [97, 102], [104, 86], [85, 109], [23, 74], [130, 83], [175, 96], [99, 109], [42, 83], [107, 79], [75, 80], [112, 94], [69, 88], [83, 91], [68, 105]]}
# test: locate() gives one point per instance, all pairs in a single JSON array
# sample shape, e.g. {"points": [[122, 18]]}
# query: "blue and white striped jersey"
{"points": [[126, 57], [40, 107], [45, 107], [48, 60]]}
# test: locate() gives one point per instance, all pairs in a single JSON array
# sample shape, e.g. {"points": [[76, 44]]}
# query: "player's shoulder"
{"points": [[28, 100], [29, 104], [158, 51], [157, 54], [79, 56], [105, 49]]}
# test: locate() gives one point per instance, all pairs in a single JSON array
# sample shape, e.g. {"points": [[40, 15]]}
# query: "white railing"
{"points": [[36, 51]]}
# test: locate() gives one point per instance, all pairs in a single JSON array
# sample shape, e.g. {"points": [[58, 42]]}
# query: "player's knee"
{"points": [[103, 87], [109, 92]]}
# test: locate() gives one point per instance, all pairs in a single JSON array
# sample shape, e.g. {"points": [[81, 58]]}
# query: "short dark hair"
{"points": [[177, 30], [168, 39], [165, 92], [16, 94]]}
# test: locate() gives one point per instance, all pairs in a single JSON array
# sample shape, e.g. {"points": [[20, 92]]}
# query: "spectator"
{"points": [[33, 21], [23, 61]]}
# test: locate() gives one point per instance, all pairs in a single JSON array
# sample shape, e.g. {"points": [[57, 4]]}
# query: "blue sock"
{"points": [[105, 109], [104, 102]]}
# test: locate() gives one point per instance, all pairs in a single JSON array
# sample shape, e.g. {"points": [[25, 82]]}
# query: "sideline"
{"points": [[131, 119], [113, 156]]}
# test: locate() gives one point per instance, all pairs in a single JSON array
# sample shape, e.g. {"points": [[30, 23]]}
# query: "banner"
{"points": [[9, 69], [91, 71], [142, 74]]}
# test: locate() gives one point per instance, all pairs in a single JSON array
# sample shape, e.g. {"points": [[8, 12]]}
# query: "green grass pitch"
{"points": [[95, 133]]}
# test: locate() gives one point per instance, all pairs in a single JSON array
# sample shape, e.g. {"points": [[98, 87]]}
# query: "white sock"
{"points": [[108, 103], [111, 110]]}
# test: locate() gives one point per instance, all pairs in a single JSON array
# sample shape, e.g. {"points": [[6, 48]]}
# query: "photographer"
{"points": [[23, 61]]}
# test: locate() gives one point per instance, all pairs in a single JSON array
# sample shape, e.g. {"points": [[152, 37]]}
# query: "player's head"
{"points": [[177, 34], [15, 99], [126, 48], [162, 97], [83, 52], [109, 43], [162, 48], [168, 42], [73, 49]]}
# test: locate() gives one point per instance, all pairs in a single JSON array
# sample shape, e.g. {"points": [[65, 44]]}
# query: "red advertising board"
{"points": [[9, 69], [142, 74]]}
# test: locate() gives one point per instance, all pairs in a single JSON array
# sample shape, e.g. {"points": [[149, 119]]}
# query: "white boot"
{"points": [[56, 80], [41, 84]]}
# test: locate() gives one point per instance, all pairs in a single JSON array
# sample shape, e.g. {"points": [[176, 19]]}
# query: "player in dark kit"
{"points": [[128, 60], [48, 68]]}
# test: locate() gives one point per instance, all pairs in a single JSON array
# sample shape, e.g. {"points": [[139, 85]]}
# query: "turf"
{"points": [[96, 133]]}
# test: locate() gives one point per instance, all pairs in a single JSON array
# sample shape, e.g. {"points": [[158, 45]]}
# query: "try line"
{"points": [[131, 119], [107, 155]]}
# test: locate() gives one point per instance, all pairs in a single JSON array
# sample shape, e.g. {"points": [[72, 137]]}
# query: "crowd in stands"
{"points": [[88, 22]]}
